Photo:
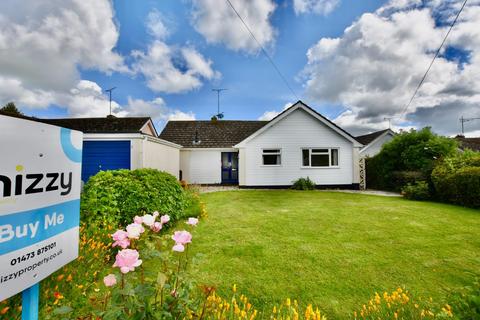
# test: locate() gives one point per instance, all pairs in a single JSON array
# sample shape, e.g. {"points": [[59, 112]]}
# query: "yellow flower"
{"points": [[234, 288]]}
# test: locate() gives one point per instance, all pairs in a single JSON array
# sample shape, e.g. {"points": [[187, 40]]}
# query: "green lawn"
{"points": [[333, 249]]}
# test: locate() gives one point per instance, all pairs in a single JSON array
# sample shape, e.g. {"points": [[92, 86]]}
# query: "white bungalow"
{"points": [[297, 143]]}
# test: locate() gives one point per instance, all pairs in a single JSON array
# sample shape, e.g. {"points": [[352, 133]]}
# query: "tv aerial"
{"points": [[219, 114], [110, 93]]}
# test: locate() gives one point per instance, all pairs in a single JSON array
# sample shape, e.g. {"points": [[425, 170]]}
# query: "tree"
{"points": [[410, 155], [11, 108]]}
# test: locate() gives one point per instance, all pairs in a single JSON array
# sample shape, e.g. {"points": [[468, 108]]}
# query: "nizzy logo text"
{"points": [[31, 183]]}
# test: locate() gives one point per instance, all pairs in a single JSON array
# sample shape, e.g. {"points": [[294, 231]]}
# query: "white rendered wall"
{"points": [[161, 157], [291, 134], [201, 166], [136, 154]]}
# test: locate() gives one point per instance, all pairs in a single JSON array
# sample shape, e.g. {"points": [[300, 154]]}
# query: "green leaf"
{"points": [[161, 279], [62, 310]]}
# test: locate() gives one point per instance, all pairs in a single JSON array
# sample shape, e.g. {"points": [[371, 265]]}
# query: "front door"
{"points": [[230, 167]]}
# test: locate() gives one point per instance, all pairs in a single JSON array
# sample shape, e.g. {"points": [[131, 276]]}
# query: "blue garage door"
{"points": [[104, 155]]}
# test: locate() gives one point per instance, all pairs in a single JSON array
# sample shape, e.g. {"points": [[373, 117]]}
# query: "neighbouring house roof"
{"points": [[209, 134], [367, 138], [469, 143], [101, 125], [95, 125]]}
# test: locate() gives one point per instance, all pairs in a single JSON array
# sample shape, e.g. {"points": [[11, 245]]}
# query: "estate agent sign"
{"points": [[40, 167]]}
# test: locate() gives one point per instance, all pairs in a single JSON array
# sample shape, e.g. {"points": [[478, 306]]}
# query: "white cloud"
{"points": [[12, 89], [218, 23], [156, 25], [157, 109], [269, 115], [322, 7], [87, 100], [375, 66], [43, 42], [171, 70], [180, 115]]}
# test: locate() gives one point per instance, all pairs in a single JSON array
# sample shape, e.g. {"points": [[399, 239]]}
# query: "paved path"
{"points": [[207, 189]]}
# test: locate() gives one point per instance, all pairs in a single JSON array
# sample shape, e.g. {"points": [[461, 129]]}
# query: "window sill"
{"points": [[333, 167], [270, 165]]}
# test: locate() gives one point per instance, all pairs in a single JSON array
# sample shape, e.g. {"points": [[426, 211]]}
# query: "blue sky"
{"points": [[253, 85], [356, 62]]}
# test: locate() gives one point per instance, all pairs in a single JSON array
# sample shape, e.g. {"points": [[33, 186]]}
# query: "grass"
{"points": [[333, 249]]}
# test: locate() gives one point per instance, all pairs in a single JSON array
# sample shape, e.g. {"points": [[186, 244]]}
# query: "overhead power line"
{"points": [[433, 60], [463, 120], [263, 50]]}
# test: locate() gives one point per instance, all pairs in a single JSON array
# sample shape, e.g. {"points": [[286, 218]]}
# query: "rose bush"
{"points": [[114, 197]]}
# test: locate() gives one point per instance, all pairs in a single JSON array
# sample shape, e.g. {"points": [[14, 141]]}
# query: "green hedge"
{"points": [[457, 179], [117, 196]]}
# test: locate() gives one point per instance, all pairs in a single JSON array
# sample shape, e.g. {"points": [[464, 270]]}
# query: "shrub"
{"points": [[416, 191], [303, 184], [402, 178], [119, 195], [412, 151], [457, 179], [193, 206]]}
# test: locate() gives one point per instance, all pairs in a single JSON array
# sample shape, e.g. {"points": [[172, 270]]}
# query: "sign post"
{"points": [[40, 181], [30, 303]]}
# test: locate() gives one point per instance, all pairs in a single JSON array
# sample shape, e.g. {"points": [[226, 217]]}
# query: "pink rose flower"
{"points": [[182, 237], [148, 220], [134, 230], [164, 219], [121, 239], [192, 221], [157, 226], [127, 260], [178, 247], [138, 220], [155, 214], [110, 280]]}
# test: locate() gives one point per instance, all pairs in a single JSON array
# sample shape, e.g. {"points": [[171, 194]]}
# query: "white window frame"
{"points": [[329, 153], [279, 153]]}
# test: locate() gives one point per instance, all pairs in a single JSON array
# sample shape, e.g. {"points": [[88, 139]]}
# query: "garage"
{"points": [[104, 155]]}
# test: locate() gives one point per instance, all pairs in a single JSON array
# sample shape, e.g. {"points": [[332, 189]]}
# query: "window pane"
{"points": [[334, 157], [320, 150], [271, 159], [320, 160], [306, 157], [271, 150]]}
